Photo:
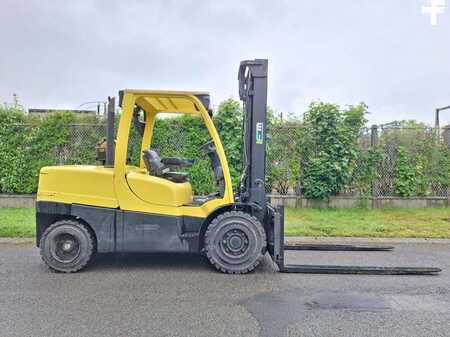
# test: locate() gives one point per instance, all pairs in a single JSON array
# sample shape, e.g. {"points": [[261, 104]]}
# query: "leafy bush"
{"points": [[26, 148], [405, 174], [331, 147], [367, 172], [13, 155], [443, 173]]}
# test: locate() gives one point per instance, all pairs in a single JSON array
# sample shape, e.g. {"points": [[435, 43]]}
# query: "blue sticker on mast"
{"points": [[259, 133]]}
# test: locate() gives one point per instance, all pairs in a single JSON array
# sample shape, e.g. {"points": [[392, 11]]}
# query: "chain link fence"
{"points": [[391, 161], [81, 138], [414, 162]]}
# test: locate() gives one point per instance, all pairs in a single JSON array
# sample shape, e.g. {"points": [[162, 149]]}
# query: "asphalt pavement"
{"points": [[173, 295]]}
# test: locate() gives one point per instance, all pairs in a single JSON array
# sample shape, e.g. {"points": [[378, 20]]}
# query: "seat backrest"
{"points": [[153, 163]]}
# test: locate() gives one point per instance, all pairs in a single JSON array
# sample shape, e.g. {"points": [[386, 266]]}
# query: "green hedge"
{"points": [[320, 156], [27, 144]]}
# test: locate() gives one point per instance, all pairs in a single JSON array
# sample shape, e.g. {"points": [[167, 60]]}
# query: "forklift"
{"points": [[117, 207]]}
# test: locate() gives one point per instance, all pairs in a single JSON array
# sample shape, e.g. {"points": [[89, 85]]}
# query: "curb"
{"points": [[309, 239], [297, 239], [17, 241]]}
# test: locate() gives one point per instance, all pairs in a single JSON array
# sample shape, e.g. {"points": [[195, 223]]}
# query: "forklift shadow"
{"points": [[162, 262], [157, 261]]}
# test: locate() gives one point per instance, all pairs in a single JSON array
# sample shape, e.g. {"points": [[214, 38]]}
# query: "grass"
{"points": [[393, 222], [17, 222]]}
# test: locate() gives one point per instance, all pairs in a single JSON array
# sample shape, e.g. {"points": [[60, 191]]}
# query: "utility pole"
{"points": [[15, 100]]}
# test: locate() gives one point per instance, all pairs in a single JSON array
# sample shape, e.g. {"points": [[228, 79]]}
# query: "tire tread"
{"points": [[211, 228], [83, 228]]}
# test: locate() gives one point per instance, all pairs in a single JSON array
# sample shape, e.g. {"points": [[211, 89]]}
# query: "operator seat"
{"points": [[157, 168]]}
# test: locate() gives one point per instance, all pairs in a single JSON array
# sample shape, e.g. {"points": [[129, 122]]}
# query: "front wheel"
{"points": [[67, 246], [235, 242]]}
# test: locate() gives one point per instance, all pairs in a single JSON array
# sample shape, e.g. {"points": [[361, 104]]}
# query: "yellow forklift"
{"points": [[116, 207]]}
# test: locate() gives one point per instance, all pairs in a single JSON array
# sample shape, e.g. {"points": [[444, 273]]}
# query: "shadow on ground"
{"points": [[131, 261]]}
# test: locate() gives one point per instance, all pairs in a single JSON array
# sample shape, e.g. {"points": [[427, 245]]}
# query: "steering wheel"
{"points": [[208, 147]]}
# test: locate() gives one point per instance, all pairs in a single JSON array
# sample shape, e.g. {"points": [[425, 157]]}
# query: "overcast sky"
{"points": [[59, 54]]}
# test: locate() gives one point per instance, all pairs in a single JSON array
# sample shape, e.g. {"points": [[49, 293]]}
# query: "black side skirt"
{"points": [[126, 231]]}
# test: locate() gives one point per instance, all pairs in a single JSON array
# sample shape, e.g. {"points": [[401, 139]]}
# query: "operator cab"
{"points": [[163, 176]]}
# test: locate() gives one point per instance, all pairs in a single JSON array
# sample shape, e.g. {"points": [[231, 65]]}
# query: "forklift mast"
{"points": [[253, 93]]}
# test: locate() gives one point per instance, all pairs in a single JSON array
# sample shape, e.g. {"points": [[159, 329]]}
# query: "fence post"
{"points": [[374, 136], [446, 135], [446, 139], [374, 143]]}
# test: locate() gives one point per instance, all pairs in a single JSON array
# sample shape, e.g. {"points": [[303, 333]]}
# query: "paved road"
{"points": [[141, 295]]}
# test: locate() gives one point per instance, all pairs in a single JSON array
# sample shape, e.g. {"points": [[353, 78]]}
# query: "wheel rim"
{"points": [[65, 247], [234, 242]]}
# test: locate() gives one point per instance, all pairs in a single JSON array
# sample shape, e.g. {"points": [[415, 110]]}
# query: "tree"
{"points": [[330, 147]]}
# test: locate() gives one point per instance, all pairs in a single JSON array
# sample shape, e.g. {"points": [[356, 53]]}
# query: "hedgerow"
{"points": [[317, 157]]}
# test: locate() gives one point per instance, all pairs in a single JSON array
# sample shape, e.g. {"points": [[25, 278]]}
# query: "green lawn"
{"points": [[395, 222], [17, 222]]}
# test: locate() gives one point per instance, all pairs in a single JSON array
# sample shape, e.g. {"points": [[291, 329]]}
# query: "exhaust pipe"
{"points": [[110, 133]]}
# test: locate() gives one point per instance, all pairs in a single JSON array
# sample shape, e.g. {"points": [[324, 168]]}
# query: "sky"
{"points": [[60, 54]]}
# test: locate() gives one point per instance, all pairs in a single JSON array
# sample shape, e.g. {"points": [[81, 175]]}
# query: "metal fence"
{"points": [[80, 147], [426, 153], [422, 152], [387, 157]]}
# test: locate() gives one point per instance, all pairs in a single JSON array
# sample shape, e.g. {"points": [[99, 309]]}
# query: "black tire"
{"points": [[67, 246], [235, 242]]}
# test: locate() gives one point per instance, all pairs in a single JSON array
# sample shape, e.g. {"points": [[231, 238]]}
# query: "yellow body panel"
{"points": [[159, 191], [81, 184]]}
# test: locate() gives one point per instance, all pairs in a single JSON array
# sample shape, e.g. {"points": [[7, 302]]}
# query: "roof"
{"points": [[165, 92], [168, 101]]}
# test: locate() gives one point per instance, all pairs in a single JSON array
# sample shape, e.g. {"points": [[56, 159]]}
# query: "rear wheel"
{"points": [[67, 246], [235, 242]]}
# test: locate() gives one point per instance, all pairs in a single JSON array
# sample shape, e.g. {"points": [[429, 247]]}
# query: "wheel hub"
{"points": [[65, 248], [235, 242], [67, 245]]}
